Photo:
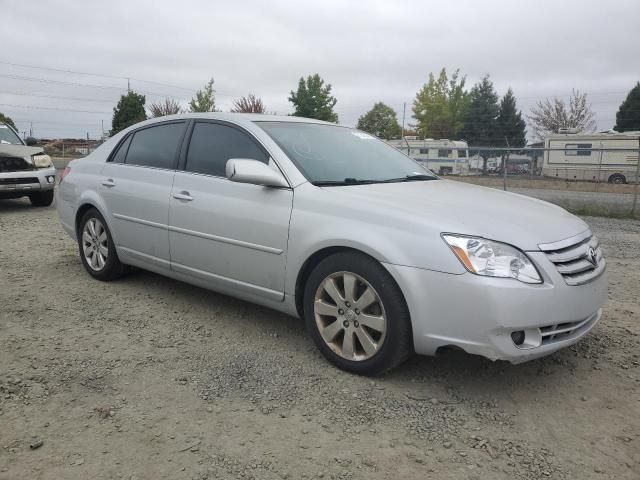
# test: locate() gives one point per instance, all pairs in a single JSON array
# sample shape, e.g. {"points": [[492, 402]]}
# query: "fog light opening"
{"points": [[518, 337], [50, 179]]}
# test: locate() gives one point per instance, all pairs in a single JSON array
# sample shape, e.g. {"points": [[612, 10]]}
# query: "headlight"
{"points": [[492, 259], [42, 161]]}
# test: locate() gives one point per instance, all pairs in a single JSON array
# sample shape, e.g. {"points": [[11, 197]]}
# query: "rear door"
{"points": [[136, 186], [231, 235]]}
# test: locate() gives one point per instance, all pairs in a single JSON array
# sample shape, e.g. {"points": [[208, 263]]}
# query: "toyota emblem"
{"points": [[592, 257]]}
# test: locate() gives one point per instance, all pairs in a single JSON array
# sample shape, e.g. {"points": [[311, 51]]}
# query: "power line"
{"points": [[52, 108], [77, 72]]}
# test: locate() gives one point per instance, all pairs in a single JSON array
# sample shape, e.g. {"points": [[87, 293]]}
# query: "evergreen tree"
{"points": [[204, 100], [439, 106], [481, 117], [481, 126], [380, 121], [130, 110], [628, 115], [313, 99], [512, 126]]}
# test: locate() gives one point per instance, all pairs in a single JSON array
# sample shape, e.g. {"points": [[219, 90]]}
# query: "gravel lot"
{"points": [[150, 378]]}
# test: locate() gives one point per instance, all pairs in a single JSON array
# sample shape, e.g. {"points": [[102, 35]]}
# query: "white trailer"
{"points": [[585, 156], [444, 157]]}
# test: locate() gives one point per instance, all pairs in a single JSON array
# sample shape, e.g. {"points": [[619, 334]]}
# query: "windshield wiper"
{"points": [[354, 181], [418, 177], [346, 181]]}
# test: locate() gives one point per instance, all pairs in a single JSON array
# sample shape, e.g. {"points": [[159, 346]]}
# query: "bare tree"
{"points": [[248, 104], [168, 106], [551, 115]]}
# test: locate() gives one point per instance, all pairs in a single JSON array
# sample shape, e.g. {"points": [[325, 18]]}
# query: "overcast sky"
{"points": [[368, 50]]}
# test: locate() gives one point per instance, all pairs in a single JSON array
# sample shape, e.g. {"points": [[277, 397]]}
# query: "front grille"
{"points": [[579, 262], [567, 330], [16, 181], [14, 164]]}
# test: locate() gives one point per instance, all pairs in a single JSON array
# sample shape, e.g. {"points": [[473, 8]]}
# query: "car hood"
{"points": [[457, 207], [19, 150]]}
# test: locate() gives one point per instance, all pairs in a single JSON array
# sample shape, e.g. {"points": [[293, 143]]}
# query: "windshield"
{"points": [[328, 154], [8, 136]]}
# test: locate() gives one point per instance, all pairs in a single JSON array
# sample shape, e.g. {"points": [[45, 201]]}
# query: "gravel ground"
{"points": [[151, 378]]}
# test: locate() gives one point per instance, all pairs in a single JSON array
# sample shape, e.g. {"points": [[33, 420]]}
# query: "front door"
{"points": [[231, 235]]}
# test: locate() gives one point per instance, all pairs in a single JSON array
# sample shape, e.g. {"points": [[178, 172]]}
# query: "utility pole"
{"points": [[102, 130], [404, 109], [31, 129], [128, 86], [504, 166]]}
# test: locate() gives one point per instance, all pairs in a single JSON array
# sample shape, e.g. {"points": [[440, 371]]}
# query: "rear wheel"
{"points": [[41, 199], [356, 314], [97, 249], [617, 178]]}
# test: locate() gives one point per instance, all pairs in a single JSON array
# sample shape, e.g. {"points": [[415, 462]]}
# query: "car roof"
{"points": [[236, 118]]}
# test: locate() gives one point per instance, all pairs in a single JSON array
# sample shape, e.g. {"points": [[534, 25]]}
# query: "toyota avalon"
{"points": [[379, 256]]}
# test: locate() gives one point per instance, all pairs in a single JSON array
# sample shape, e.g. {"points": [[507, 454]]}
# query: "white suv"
{"points": [[25, 170]]}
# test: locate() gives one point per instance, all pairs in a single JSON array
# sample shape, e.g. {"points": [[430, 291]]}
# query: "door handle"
{"points": [[183, 195], [109, 182]]}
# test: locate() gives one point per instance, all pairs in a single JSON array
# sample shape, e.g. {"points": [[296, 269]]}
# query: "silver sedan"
{"points": [[380, 257]]}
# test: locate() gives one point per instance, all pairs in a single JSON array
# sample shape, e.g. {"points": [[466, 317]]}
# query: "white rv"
{"points": [[444, 157], [585, 156]]}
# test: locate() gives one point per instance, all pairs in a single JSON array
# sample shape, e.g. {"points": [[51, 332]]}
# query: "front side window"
{"points": [[462, 153], [156, 146], [213, 144], [444, 152], [578, 149], [327, 154], [424, 151]]}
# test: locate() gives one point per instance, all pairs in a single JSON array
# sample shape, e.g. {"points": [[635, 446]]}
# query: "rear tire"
{"points": [[370, 341], [617, 178], [41, 199], [97, 249]]}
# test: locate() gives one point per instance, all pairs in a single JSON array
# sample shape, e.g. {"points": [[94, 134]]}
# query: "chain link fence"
{"points": [[582, 178]]}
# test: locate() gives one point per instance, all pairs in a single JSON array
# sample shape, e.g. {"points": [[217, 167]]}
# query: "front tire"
{"points": [[356, 314], [97, 249], [41, 199]]}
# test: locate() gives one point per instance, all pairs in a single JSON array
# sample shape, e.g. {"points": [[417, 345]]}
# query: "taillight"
{"points": [[65, 172]]}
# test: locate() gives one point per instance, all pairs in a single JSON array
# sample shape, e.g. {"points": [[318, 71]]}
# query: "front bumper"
{"points": [[479, 314], [25, 182]]}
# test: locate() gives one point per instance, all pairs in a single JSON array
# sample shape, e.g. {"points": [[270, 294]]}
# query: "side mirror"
{"points": [[30, 141], [244, 170]]}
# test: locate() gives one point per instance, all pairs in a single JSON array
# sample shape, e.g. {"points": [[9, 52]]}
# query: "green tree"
{"points": [[380, 121], [628, 115], [7, 120], [130, 110], [313, 99], [481, 127], [204, 100], [439, 106], [512, 126]]}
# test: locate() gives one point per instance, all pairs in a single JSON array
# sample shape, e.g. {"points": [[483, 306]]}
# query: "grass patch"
{"points": [[596, 209]]}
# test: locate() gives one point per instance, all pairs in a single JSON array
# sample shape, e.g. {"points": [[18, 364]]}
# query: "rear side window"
{"points": [[213, 144], [122, 151], [156, 146]]}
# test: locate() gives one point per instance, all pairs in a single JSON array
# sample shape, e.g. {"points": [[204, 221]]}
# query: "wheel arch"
{"points": [[88, 204], [315, 258]]}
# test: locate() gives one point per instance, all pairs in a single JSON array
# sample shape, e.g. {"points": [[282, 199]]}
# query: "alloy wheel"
{"points": [[350, 316], [95, 244]]}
